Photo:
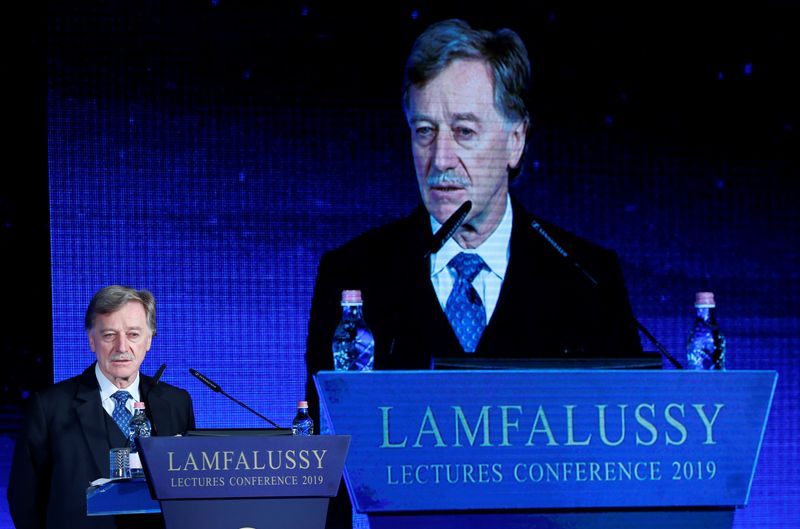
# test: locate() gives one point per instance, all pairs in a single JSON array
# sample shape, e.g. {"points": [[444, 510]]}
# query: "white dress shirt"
{"points": [[494, 251], [107, 389]]}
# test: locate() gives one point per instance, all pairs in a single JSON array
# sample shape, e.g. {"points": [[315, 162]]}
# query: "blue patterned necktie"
{"points": [[121, 414], [464, 307]]}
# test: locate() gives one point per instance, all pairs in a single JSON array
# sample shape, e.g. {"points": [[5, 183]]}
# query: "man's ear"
{"points": [[516, 140]]}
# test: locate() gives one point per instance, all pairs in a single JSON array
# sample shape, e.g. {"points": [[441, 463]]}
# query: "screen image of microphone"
{"points": [[215, 387], [202, 378], [158, 374], [594, 283], [449, 227]]}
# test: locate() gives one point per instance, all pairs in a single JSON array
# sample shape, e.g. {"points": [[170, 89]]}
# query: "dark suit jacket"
{"points": [[64, 446], [546, 308]]}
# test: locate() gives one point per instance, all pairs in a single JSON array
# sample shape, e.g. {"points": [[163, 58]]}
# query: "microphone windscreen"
{"points": [[158, 374]]}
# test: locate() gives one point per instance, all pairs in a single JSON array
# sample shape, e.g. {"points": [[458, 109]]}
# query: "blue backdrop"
{"points": [[212, 153]]}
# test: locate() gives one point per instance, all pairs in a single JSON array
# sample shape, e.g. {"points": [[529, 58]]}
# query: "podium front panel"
{"points": [[306, 513], [244, 466], [547, 439]]}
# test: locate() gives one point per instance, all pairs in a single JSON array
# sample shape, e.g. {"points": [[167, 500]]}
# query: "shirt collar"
{"points": [[494, 251], [107, 388]]}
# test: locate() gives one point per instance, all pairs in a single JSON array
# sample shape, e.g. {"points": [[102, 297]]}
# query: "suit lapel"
{"points": [[434, 325], [519, 267], [419, 327], [527, 264], [90, 414]]}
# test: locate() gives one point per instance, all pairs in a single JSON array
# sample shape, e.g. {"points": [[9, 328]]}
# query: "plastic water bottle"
{"points": [[302, 424], [705, 348], [353, 343], [139, 427]]}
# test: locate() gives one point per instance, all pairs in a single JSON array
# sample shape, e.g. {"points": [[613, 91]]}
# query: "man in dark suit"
{"points": [[464, 99], [71, 426], [498, 287]]}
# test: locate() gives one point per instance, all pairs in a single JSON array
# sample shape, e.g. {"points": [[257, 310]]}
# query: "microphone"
{"points": [[441, 236], [215, 387], [447, 229], [158, 374], [148, 411], [661, 349]]}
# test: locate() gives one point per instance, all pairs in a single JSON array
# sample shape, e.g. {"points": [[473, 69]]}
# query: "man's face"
{"points": [[462, 146], [120, 341]]}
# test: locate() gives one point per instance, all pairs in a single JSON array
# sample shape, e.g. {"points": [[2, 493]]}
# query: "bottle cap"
{"points": [[302, 404], [351, 296], [704, 299], [137, 405]]}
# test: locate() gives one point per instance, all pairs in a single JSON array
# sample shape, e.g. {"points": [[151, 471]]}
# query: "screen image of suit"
{"points": [[546, 307], [64, 446]]}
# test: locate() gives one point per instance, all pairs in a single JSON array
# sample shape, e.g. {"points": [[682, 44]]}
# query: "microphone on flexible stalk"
{"points": [[447, 229], [148, 411], [158, 374], [215, 387], [442, 235], [546, 236]]}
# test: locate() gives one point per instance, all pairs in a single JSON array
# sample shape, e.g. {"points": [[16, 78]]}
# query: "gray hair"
{"points": [[112, 298], [503, 50]]}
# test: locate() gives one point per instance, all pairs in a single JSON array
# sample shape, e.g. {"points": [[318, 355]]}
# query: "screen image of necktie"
{"points": [[121, 414], [464, 308]]}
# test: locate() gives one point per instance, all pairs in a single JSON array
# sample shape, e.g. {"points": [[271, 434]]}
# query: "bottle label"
{"points": [[135, 462]]}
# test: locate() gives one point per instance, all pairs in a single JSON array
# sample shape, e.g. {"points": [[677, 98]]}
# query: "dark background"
{"points": [[212, 151]]}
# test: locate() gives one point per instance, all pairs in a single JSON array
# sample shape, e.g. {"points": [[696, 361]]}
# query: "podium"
{"points": [[549, 448], [218, 482]]}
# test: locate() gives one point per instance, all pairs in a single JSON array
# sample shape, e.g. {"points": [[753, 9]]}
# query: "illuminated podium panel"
{"points": [[220, 482], [549, 448]]}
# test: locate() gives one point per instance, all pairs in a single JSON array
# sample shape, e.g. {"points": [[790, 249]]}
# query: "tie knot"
{"points": [[121, 397], [467, 265]]}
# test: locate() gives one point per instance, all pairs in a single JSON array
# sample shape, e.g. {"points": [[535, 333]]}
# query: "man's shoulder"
{"points": [[403, 235], [69, 385], [542, 231], [571, 240], [163, 388], [61, 394]]}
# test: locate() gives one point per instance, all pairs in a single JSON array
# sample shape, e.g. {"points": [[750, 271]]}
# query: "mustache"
{"points": [[449, 177], [120, 356]]}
